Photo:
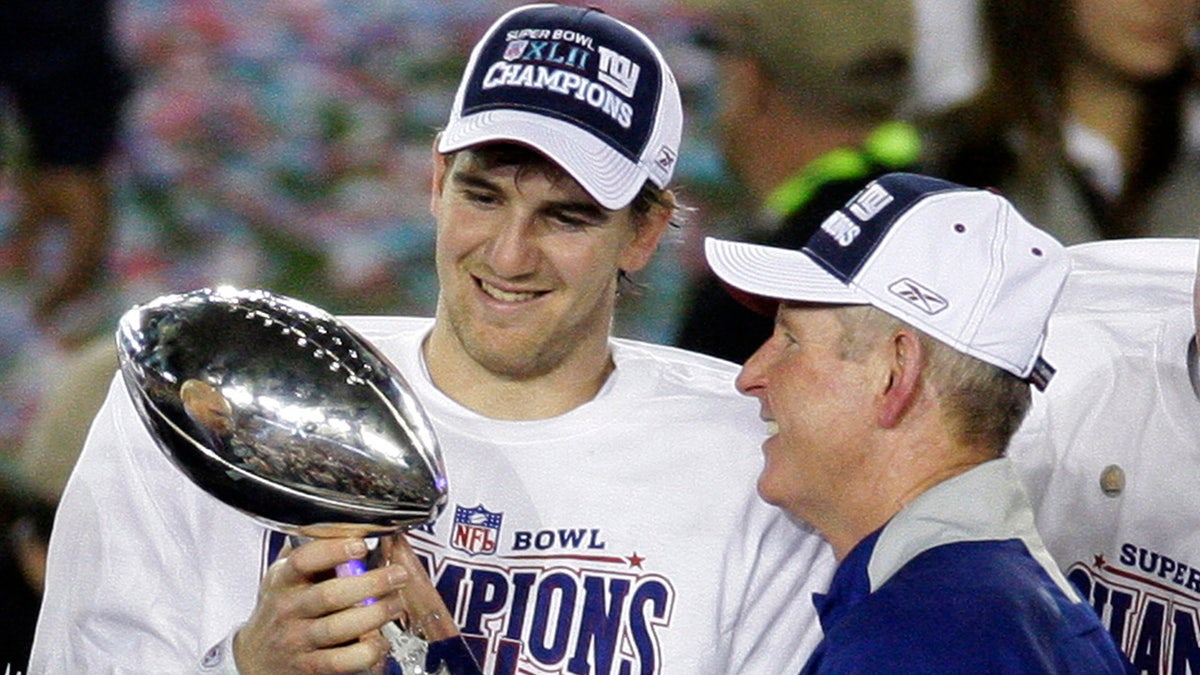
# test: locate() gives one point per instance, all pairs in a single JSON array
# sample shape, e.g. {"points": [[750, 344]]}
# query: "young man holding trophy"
{"points": [[601, 515]]}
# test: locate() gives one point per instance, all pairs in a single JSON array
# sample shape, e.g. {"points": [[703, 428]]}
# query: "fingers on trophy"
{"points": [[278, 409]]}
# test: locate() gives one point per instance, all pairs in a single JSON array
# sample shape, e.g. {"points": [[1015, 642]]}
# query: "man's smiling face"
{"points": [[528, 263]]}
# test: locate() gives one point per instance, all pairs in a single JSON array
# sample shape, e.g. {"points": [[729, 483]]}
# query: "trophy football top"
{"points": [[277, 408]]}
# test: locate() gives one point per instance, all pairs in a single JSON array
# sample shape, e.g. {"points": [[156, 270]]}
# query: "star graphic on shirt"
{"points": [[1098, 561], [635, 560]]}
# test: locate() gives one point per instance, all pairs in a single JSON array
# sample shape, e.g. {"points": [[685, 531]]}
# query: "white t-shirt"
{"points": [[622, 537], [1122, 398]]}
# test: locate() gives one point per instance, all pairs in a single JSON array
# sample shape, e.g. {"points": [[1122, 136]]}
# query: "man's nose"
{"points": [[750, 381], [512, 251]]}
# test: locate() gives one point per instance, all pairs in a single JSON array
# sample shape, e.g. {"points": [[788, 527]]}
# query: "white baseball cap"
{"points": [[583, 88], [958, 263]]}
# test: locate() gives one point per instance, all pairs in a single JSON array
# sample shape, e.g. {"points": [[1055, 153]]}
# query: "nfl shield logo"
{"points": [[476, 530], [515, 49]]}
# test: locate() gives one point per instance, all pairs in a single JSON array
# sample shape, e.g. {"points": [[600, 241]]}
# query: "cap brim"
{"points": [[609, 177], [777, 273]]}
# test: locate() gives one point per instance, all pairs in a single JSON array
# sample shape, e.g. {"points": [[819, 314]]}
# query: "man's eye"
{"points": [[572, 220], [478, 197]]}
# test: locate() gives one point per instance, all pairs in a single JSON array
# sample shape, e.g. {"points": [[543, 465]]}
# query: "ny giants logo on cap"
{"points": [[848, 237], [868, 211], [865, 205], [869, 202]]}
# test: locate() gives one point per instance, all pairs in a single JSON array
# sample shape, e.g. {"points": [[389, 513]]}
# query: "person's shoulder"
{"points": [[1129, 275], [1172, 254], [1007, 610], [669, 359], [672, 372], [1124, 301], [971, 603]]}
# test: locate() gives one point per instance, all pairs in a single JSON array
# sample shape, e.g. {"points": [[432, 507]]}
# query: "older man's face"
{"points": [[818, 405]]}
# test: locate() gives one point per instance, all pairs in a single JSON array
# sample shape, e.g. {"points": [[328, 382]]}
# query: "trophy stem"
{"points": [[408, 649]]}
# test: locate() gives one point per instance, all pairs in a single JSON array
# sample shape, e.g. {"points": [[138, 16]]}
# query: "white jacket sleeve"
{"points": [[146, 572]]}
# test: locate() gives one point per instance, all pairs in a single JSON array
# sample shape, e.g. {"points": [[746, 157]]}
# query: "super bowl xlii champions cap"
{"points": [[957, 263], [583, 88]]}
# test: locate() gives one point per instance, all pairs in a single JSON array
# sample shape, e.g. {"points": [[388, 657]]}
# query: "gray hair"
{"points": [[984, 403]]}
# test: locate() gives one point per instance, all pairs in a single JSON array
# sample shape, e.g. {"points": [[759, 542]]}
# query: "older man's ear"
{"points": [[905, 360]]}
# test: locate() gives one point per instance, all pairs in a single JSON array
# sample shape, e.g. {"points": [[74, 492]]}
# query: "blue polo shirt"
{"points": [[959, 582]]}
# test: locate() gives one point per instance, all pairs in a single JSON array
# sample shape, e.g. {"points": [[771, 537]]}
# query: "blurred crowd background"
{"points": [[284, 144], [281, 144]]}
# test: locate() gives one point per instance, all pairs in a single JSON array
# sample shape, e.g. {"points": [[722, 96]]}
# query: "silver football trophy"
{"points": [[278, 409]]}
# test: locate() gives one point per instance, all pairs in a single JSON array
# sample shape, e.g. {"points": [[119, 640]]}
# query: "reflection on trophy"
{"points": [[279, 410]]}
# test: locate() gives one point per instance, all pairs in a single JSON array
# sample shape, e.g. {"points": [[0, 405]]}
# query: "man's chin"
{"points": [[765, 492], [507, 355]]}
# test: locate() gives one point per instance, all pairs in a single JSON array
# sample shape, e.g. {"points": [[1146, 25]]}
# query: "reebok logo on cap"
{"points": [[918, 296]]}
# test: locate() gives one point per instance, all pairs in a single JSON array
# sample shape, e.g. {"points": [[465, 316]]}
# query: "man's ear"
{"points": [[906, 360], [439, 178], [641, 248]]}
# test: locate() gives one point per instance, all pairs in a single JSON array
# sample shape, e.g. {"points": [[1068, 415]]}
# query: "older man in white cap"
{"points": [[908, 330]]}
